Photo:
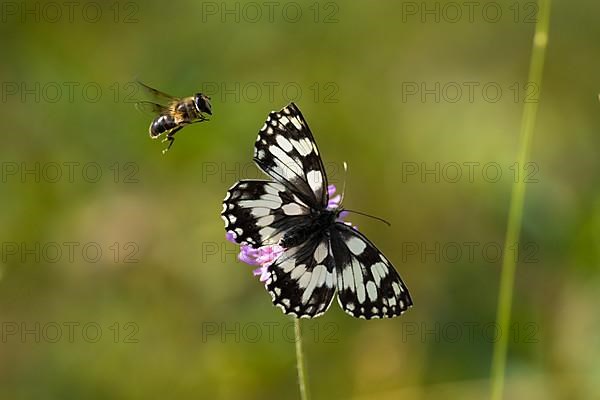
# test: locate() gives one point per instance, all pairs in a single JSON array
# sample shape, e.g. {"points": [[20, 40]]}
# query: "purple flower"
{"points": [[334, 204], [334, 201], [262, 257], [229, 235]]}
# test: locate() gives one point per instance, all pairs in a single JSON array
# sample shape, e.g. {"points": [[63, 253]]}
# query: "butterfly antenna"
{"points": [[370, 216], [344, 184]]}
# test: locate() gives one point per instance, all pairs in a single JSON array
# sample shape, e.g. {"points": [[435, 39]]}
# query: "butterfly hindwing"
{"points": [[259, 212], [286, 150], [367, 282], [302, 280]]}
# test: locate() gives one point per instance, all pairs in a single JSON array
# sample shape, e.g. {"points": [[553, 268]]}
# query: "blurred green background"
{"points": [[116, 281]]}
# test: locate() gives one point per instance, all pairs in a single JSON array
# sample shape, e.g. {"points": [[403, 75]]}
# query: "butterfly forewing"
{"points": [[367, 282], [286, 151], [260, 212]]}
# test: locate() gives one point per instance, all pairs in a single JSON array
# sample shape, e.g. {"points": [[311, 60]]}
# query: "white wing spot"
{"points": [[284, 143], [292, 209], [317, 279], [358, 281], [348, 279], [356, 245], [296, 123], [329, 280], [266, 232], [305, 279], [287, 266], [265, 203], [274, 188], [298, 271], [315, 180], [371, 290], [321, 252], [260, 212], [301, 147], [282, 160], [307, 144], [379, 271], [264, 221]]}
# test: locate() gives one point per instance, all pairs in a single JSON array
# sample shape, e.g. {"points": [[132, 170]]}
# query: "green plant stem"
{"points": [[300, 362], [515, 215]]}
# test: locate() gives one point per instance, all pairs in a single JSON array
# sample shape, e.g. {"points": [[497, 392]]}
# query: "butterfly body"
{"points": [[322, 222], [322, 255]]}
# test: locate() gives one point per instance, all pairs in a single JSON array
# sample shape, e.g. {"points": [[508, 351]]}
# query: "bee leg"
{"points": [[169, 138]]}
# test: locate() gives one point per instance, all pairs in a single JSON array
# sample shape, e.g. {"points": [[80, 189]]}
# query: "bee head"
{"points": [[202, 103]]}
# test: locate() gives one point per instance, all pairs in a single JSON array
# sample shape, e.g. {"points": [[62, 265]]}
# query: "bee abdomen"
{"points": [[162, 124]]}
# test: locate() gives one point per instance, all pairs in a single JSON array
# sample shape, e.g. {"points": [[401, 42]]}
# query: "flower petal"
{"points": [[331, 190]]}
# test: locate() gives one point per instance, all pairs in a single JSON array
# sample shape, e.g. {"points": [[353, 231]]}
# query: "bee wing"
{"points": [[157, 93], [151, 108]]}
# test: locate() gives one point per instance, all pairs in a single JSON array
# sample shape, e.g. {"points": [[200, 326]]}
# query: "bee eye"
{"points": [[203, 103]]}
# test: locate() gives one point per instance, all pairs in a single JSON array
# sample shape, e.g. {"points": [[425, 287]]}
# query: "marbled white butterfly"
{"points": [[322, 254]]}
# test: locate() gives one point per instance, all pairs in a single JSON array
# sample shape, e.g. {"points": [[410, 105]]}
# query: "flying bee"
{"points": [[175, 114]]}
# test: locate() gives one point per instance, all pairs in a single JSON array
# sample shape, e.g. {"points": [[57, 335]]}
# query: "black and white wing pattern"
{"points": [[367, 283], [302, 280], [286, 151], [258, 213]]}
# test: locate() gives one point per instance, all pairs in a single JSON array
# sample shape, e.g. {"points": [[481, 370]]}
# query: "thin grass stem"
{"points": [[300, 365], [515, 216]]}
